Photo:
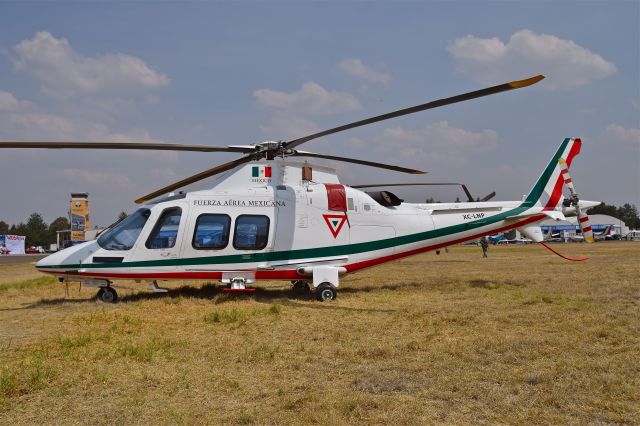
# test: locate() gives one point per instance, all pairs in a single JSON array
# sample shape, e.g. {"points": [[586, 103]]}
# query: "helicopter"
{"points": [[270, 216]]}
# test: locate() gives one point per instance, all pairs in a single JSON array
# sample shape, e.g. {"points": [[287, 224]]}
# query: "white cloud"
{"points": [[51, 127], [615, 132], [356, 143], [311, 99], [8, 102], [565, 63], [357, 68], [65, 72], [288, 126], [103, 179], [437, 142]]}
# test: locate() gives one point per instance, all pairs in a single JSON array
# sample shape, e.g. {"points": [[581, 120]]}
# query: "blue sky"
{"points": [[228, 73]]}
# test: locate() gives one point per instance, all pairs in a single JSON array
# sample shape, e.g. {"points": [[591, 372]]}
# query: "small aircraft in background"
{"points": [[270, 217]]}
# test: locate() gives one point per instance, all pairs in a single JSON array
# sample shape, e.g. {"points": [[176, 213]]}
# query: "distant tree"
{"points": [[122, 215], [59, 224], [628, 213], [457, 199], [36, 230], [604, 208], [4, 227], [19, 229]]}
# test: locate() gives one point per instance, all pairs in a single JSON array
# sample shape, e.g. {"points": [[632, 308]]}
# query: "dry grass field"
{"points": [[521, 337]]}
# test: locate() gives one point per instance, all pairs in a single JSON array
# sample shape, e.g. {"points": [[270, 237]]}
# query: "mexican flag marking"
{"points": [[335, 223], [261, 171]]}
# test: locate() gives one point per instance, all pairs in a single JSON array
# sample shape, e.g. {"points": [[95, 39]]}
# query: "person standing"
{"points": [[485, 246]]}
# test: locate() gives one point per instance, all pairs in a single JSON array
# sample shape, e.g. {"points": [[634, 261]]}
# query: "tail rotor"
{"points": [[574, 201]]}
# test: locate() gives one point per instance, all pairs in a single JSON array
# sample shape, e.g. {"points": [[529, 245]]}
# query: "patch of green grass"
{"points": [[224, 316], [71, 342], [31, 283], [29, 376], [263, 352], [145, 352], [275, 309]]}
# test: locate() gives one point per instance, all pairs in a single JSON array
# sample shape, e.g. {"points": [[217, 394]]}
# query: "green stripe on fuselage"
{"points": [[342, 249]]}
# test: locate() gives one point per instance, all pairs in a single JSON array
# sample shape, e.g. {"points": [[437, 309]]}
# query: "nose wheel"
{"points": [[107, 295]]}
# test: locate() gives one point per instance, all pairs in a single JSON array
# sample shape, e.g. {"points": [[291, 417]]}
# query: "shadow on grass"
{"points": [[216, 294]]}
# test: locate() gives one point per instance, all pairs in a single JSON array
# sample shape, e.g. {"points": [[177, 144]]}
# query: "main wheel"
{"points": [[325, 292], [107, 295]]}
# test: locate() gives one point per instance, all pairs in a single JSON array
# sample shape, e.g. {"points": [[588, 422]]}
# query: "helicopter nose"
{"points": [[69, 258]]}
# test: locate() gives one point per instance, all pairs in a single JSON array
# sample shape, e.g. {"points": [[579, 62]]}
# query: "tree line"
{"points": [[36, 230], [628, 213]]}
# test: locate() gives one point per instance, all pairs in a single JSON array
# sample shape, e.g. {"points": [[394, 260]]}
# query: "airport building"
{"points": [[569, 228]]}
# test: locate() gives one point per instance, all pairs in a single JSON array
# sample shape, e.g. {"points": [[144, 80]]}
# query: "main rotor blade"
{"points": [[489, 196], [195, 178], [429, 105], [464, 187], [124, 145], [356, 161]]}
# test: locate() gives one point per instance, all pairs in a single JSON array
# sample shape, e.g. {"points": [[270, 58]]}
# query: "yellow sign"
{"points": [[79, 216], [77, 235]]}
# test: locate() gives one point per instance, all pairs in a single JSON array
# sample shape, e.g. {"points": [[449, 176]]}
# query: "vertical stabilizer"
{"points": [[547, 192]]}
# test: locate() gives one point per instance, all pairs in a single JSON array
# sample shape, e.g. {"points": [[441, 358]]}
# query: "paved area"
{"points": [[20, 258]]}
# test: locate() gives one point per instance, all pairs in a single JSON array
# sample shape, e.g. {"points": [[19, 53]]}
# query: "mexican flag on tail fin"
{"points": [[547, 192]]}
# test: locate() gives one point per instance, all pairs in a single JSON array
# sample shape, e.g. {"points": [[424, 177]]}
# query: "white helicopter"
{"points": [[270, 217]]}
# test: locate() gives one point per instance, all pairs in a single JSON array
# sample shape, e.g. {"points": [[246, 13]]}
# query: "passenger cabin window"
{"points": [[211, 232], [165, 232], [123, 235], [252, 232]]}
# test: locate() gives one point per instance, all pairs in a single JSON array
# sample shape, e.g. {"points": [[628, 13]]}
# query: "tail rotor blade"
{"points": [[583, 219], [585, 226], [564, 170]]}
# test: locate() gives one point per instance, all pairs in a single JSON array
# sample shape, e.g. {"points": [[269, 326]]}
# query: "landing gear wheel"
{"points": [[300, 287], [325, 292], [107, 295]]}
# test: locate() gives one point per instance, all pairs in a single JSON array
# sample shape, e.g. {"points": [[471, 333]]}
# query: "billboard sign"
{"points": [[14, 243], [79, 215]]}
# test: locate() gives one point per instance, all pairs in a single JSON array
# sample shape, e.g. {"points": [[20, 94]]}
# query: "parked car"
{"points": [[4, 250], [34, 250]]}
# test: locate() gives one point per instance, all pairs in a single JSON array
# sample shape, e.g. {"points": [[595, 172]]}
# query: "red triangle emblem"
{"points": [[335, 223]]}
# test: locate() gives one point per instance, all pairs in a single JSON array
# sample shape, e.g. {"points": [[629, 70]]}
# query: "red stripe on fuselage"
{"points": [[368, 263]]}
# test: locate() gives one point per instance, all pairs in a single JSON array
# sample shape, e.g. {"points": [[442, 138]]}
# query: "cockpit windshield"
{"points": [[124, 234]]}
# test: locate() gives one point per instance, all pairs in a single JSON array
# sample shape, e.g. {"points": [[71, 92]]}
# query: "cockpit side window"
{"points": [[211, 232], [165, 232], [252, 232], [124, 234]]}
